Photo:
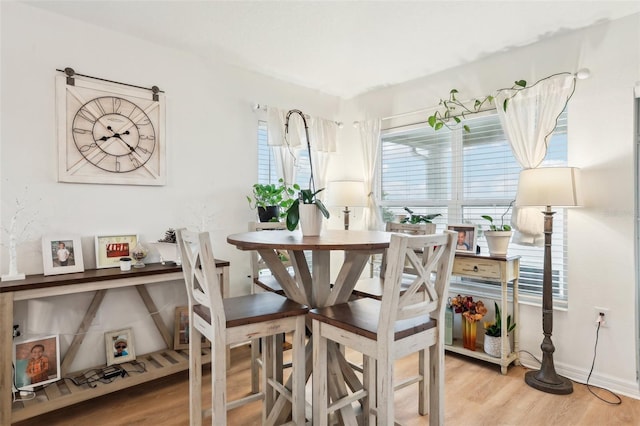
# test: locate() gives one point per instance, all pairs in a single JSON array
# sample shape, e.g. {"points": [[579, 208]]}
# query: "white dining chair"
{"points": [[372, 286], [234, 320], [387, 329]]}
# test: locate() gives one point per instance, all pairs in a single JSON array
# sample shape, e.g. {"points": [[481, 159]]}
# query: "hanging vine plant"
{"points": [[454, 110]]}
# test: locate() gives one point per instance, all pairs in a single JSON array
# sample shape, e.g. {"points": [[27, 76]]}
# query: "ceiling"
{"points": [[343, 48]]}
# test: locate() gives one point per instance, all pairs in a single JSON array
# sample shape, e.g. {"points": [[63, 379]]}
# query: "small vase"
{"points": [[139, 252], [469, 333]]}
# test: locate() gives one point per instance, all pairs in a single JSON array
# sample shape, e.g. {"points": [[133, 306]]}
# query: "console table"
{"points": [[64, 393], [498, 269]]}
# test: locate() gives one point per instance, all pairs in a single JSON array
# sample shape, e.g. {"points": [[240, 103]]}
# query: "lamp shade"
{"points": [[549, 186], [346, 193]]}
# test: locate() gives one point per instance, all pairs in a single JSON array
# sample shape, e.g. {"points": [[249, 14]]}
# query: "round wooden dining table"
{"points": [[311, 284]]}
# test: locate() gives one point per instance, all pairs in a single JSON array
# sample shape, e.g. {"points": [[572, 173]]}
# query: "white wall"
{"points": [[212, 163], [601, 237]]}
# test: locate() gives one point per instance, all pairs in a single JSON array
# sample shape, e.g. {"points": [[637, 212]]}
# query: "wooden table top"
{"points": [[327, 240]]}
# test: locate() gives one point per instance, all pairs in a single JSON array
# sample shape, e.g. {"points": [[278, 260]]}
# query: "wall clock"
{"points": [[109, 133]]}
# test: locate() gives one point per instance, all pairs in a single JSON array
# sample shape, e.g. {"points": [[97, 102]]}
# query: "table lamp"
{"points": [[346, 193], [548, 186]]}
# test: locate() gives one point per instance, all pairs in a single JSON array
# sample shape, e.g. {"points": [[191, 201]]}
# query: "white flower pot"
{"points": [[169, 252], [492, 345], [310, 220], [498, 242]]}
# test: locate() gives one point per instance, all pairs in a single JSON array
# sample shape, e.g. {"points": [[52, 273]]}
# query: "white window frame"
{"points": [[453, 209]]}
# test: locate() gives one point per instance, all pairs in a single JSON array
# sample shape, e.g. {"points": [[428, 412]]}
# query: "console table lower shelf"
{"points": [[64, 392], [479, 353]]}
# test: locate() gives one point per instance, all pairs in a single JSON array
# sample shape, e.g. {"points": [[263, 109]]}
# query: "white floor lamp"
{"points": [[347, 193], [559, 187]]}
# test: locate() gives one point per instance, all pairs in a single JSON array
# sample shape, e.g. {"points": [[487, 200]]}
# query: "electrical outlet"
{"points": [[597, 311]]}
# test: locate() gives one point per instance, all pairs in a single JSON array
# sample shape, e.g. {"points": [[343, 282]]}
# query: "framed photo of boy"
{"points": [[37, 362], [181, 330], [119, 345], [467, 238], [61, 254], [110, 248]]}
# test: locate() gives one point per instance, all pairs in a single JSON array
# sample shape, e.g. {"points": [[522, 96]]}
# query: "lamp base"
{"points": [[560, 386]]}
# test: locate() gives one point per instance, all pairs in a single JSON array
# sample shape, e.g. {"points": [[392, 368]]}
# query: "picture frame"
{"points": [[62, 254], [119, 346], [110, 248], [467, 237], [36, 361], [181, 330]]}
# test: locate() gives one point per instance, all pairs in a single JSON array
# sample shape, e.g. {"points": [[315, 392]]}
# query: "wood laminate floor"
{"points": [[476, 394]]}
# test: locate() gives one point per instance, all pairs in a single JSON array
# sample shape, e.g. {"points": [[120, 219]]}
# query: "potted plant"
{"points": [[307, 206], [311, 207], [270, 198], [493, 334], [167, 248], [418, 218], [498, 236]]}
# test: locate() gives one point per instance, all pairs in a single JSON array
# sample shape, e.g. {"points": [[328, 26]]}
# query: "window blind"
{"points": [[463, 176]]}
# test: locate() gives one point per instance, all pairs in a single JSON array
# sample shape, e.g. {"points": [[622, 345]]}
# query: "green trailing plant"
{"points": [[502, 226], [272, 194], [418, 218], [452, 111], [306, 196], [495, 328]]}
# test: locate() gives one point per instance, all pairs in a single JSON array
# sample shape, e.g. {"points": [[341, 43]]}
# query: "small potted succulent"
{"points": [[493, 334]]}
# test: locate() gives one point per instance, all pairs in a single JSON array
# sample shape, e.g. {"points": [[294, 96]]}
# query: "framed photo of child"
{"points": [[467, 238], [181, 330], [62, 254], [119, 345], [37, 362]]}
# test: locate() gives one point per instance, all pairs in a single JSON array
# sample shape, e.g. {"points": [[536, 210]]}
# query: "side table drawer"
{"points": [[477, 268]]}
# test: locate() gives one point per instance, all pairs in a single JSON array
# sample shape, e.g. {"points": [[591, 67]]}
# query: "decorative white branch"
{"points": [[17, 232]]}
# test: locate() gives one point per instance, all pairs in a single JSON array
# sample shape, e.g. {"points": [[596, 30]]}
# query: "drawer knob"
{"points": [[475, 269]]}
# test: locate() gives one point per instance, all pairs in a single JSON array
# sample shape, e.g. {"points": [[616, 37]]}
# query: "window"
{"points": [[267, 161], [463, 176]]}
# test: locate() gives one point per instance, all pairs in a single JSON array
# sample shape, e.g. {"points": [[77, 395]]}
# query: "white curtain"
{"points": [[370, 140], [322, 139], [529, 120]]}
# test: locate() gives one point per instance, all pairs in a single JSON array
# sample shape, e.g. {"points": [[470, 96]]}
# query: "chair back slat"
{"points": [[200, 274], [431, 256], [409, 229]]}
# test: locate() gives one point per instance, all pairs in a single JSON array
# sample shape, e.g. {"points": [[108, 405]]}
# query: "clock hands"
{"points": [[117, 135]]}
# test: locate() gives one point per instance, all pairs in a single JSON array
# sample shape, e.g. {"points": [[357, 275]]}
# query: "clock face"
{"points": [[114, 134], [109, 133]]}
